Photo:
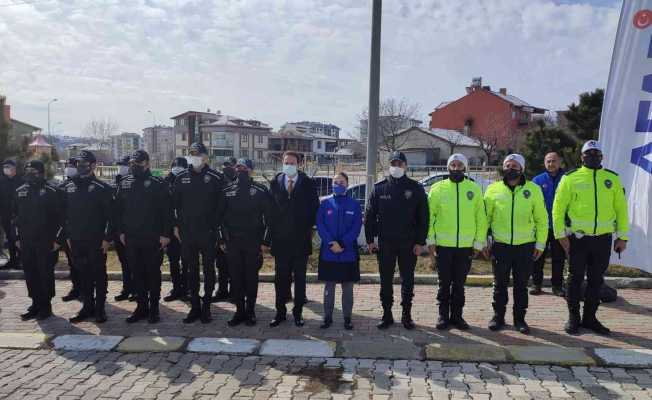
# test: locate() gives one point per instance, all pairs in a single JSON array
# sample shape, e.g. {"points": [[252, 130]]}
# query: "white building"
{"points": [[313, 128], [124, 144], [388, 124], [158, 141]]}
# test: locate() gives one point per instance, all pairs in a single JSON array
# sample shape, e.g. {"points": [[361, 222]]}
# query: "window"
{"points": [[244, 138], [260, 155], [260, 139], [183, 136], [244, 153], [319, 144]]}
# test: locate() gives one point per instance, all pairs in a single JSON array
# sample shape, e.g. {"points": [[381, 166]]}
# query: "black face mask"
{"points": [[229, 172], [592, 161], [243, 176], [83, 171], [456, 176], [512, 174], [137, 170], [33, 179]]}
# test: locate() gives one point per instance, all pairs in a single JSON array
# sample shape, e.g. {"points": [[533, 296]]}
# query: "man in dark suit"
{"points": [[295, 208]]}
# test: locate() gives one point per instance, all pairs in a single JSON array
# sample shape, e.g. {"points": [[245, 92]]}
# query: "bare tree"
{"points": [[101, 130], [453, 138], [498, 133], [395, 116]]}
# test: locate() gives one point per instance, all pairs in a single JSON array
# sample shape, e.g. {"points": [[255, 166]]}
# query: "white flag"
{"points": [[626, 126]]}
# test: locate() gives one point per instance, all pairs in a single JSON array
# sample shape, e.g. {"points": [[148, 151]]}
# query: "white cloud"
{"points": [[280, 60]]}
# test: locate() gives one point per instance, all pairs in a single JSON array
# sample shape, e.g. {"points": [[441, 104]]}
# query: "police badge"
{"points": [[147, 183], [526, 194], [252, 191], [469, 195], [41, 192], [207, 178], [408, 194], [608, 183], [91, 188]]}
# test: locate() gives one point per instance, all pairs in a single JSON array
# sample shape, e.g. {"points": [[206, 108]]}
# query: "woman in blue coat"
{"points": [[339, 221]]}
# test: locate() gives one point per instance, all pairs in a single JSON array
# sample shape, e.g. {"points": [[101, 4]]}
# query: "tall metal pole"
{"points": [[374, 97], [49, 127]]}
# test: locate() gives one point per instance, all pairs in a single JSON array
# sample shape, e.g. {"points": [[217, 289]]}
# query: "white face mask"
{"points": [[123, 170], [396, 172], [70, 172], [177, 170], [195, 161], [289, 170]]}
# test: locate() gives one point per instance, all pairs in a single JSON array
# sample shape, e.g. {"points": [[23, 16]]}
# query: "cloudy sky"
{"points": [[284, 60]]}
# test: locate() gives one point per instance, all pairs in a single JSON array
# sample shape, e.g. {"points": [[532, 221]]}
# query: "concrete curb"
{"points": [[429, 279], [445, 352]]}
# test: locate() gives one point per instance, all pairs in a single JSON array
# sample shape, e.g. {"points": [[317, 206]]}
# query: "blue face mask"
{"points": [[339, 190]]}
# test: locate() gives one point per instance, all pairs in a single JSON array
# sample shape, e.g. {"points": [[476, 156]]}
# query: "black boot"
{"points": [[72, 295], [387, 320], [589, 320], [457, 320], [348, 325], [193, 315], [32, 312], [154, 315], [497, 322], [122, 297], [326, 324], [141, 313], [100, 312], [206, 311], [444, 317], [221, 295], [86, 312], [239, 317], [251, 313], [572, 326], [298, 317], [519, 322], [406, 318], [278, 320], [174, 295]]}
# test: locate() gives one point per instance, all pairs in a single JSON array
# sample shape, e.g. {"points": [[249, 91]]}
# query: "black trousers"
{"points": [[39, 270], [588, 256], [91, 263], [191, 249], [289, 263], [127, 273], [178, 268], [11, 243], [223, 271], [244, 260], [453, 266], [389, 252], [145, 258], [74, 273], [515, 261], [558, 256]]}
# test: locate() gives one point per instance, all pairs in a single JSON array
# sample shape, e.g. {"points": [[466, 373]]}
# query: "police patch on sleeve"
{"points": [[470, 195], [91, 188], [147, 183], [207, 178], [608, 183], [527, 194], [408, 194], [252, 191]]}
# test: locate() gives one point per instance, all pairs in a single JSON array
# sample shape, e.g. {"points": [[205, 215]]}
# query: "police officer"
{"points": [[397, 214], [8, 185], [144, 225], [128, 287], [88, 212], [458, 228], [69, 172], [178, 268], [37, 219], [245, 216], [518, 220], [197, 197], [592, 200], [221, 260], [549, 181]]}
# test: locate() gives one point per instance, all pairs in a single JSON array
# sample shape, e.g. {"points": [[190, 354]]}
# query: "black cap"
{"points": [[9, 162], [397, 156], [124, 161], [72, 161], [86, 155], [139, 156], [198, 147], [246, 162], [232, 161], [180, 162], [37, 165]]}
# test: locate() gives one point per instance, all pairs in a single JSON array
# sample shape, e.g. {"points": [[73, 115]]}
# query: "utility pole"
{"points": [[49, 127], [374, 98]]}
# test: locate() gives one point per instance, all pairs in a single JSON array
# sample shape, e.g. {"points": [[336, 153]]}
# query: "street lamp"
{"points": [[154, 143], [374, 97], [49, 127]]}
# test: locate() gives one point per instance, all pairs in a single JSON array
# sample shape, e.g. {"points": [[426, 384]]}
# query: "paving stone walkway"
{"points": [[82, 375]]}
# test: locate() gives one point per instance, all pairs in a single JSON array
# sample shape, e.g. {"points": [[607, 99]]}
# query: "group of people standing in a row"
{"points": [[202, 217]]}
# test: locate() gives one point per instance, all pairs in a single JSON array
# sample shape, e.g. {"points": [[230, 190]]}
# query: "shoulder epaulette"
{"points": [[23, 186], [259, 186], [214, 173], [156, 179], [608, 170]]}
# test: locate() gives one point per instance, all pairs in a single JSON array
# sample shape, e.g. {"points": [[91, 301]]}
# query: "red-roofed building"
{"points": [[491, 116], [40, 146]]}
